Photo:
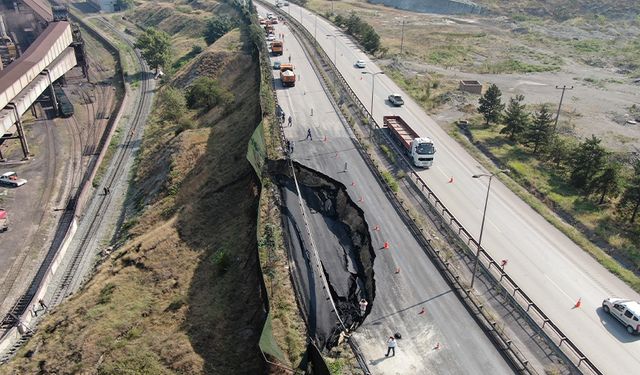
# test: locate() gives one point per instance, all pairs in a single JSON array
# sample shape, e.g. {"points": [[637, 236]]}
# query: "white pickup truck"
{"points": [[11, 179]]}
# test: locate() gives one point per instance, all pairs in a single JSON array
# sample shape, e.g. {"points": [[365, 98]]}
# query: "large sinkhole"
{"points": [[334, 227]]}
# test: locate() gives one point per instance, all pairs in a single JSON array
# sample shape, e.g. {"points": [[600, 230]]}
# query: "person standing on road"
{"points": [[309, 137], [391, 346], [290, 121]]}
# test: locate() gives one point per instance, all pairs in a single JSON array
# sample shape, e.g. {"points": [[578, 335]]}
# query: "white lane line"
{"points": [[558, 287]]}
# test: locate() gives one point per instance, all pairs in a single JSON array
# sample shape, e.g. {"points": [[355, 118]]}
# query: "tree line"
{"points": [[360, 30], [589, 167]]}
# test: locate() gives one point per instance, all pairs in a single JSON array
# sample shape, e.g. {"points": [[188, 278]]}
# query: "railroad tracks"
{"points": [[80, 258]]}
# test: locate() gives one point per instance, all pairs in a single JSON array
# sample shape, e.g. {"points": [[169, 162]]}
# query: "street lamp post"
{"points": [[484, 214], [373, 87], [315, 28]]}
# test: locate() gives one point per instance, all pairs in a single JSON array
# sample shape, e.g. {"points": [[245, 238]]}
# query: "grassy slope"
{"points": [[167, 301]]}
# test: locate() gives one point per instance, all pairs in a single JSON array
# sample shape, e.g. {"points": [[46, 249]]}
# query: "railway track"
{"points": [[80, 259]]}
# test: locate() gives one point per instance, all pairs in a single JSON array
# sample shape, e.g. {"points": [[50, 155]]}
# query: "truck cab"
{"points": [[422, 152]]}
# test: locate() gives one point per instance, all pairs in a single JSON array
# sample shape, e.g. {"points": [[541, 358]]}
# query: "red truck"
{"points": [[420, 150]]}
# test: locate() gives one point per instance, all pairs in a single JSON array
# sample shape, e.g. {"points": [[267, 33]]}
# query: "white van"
{"points": [[626, 311]]}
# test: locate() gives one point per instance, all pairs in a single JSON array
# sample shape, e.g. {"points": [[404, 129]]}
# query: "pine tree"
{"points": [[491, 105], [588, 159], [607, 182], [631, 196], [559, 151], [538, 133], [516, 118]]}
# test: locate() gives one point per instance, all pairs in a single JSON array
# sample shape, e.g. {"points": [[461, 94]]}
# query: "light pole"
{"points": [[315, 28], [373, 89], [402, 37], [335, 38], [484, 214], [332, 7]]}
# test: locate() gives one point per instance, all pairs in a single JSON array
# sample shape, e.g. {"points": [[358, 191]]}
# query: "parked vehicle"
{"points": [[65, 108], [11, 179], [420, 150], [277, 47], [287, 76], [626, 311], [271, 38], [4, 220], [360, 64], [396, 100], [276, 65]]}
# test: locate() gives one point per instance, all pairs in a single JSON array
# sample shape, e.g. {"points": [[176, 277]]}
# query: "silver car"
{"points": [[626, 311]]}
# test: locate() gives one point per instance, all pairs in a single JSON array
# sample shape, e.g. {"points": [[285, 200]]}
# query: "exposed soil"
{"points": [[162, 302]]}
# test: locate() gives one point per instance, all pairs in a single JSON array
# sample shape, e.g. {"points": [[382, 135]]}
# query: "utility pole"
{"points": [[402, 37], [332, 7], [563, 88]]}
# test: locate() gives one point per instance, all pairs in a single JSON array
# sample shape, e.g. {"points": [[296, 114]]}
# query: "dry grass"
{"points": [[163, 302]]}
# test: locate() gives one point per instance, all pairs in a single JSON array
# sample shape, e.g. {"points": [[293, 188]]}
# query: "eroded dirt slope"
{"points": [[182, 294]]}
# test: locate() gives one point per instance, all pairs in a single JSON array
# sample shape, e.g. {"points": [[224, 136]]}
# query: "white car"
{"points": [[11, 179], [271, 37], [360, 64], [626, 311]]}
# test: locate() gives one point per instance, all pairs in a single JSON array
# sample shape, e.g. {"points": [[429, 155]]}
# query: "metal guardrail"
{"points": [[490, 266]]}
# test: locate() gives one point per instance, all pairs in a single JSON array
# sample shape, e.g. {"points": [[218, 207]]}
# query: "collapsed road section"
{"points": [[340, 238]]}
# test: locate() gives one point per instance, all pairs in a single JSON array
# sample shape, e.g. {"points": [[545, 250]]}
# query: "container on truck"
{"points": [[287, 76], [421, 151]]}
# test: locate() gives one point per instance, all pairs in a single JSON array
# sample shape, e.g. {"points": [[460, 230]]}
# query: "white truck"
{"points": [[11, 179], [421, 151]]}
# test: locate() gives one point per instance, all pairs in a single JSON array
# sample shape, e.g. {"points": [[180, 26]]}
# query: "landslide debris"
{"points": [[181, 293]]}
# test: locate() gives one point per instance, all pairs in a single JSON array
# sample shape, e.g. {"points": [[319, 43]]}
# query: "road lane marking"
{"points": [[558, 287]]}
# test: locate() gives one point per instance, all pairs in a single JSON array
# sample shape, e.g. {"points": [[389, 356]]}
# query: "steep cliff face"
{"points": [[433, 6]]}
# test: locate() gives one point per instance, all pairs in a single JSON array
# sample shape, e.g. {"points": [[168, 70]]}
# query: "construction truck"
{"points": [[287, 76], [420, 150], [277, 47]]}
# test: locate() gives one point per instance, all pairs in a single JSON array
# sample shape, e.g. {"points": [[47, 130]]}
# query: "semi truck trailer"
{"points": [[421, 151]]}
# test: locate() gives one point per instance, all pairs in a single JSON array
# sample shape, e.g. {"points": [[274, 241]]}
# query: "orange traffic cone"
{"points": [[578, 304], [385, 245]]}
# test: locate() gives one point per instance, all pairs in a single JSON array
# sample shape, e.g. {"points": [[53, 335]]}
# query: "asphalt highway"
{"points": [[548, 266], [444, 338]]}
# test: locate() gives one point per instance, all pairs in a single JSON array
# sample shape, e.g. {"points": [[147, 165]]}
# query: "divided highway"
{"points": [[548, 266], [438, 333]]}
